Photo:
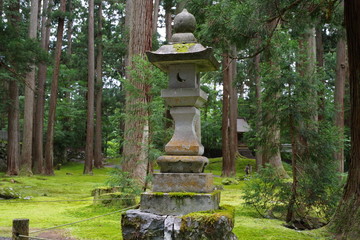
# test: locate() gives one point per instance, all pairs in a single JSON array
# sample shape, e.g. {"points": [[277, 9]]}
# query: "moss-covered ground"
{"points": [[52, 203]]}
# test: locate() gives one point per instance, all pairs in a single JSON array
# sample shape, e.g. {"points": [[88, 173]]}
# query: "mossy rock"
{"points": [[103, 190], [229, 181], [212, 225], [9, 193], [117, 199]]}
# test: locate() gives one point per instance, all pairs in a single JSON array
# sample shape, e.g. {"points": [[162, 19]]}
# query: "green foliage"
{"points": [[320, 187], [143, 73], [267, 193], [123, 181]]}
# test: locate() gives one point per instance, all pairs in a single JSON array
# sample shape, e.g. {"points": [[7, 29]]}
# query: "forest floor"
{"points": [[66, 198]]}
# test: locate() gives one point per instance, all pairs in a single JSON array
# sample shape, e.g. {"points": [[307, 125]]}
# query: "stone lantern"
{"points": [[181, 187], [183, 60]]}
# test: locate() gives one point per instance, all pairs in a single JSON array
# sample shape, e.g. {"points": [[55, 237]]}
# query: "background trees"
{"points": [[347, 215], [279, 60]]}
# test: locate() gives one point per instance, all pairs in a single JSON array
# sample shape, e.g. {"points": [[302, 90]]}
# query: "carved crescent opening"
{"points": [[179, 78]]}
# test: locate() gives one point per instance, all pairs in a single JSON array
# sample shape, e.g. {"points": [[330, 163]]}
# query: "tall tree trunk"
{"points": [[155, 16], [38, 157], [49, 147], [89, 148], [271, 150], [26, 157], [225, 134], [136, 128], [98, 157], [168, 21], [312, 69], [1, 7], [13, 154], [180, 6], [69, 30], [320, 64], [13, 148], [294, 160], [346, 219], [257, 78], [341, 70], [233, 111]]}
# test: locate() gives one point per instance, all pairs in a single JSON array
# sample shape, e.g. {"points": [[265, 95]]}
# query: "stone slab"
{"points": [[178, 203], [182, 164], [181, 97], [183, 182]]}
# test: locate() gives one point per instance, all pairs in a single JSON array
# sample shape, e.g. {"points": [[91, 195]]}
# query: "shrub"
{"points": [[123, 181], [267, 193]]}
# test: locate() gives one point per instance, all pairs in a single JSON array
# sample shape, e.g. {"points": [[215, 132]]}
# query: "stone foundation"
{"points": [[183, 182], [212, 225], [178, 203]]}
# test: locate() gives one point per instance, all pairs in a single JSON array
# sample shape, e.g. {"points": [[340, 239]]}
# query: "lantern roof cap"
{"points": [[183, 47]]}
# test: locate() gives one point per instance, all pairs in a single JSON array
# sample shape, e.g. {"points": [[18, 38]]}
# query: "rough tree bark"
{"points": [[226, 160], [49, 147], [271, 150], [26, 157], [89, 148], [320, 64], [13, 148], [233, 111], [155, 16], [229, 117], [168, 20], [69, 30], [13, 153], [347, 217], [180, 6], [341, 69], [38, 158], [257, 80], [98, 157], [136, 123]]}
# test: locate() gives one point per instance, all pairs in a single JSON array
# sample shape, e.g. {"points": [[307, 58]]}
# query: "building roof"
{"points": [[242, 125]]}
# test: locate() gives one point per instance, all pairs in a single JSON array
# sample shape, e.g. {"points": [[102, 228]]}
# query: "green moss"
{"points": [[181, 195], [183, 47], [158, 194], [213, 216], [248, 225]]}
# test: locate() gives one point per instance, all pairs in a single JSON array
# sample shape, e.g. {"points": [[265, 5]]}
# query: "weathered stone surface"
{"points": [[138, 225], [116, 199], [211, 225], [172, 227], [178, 203], [185, 140], [184, 22], [182, 164], [183, 76], [197, 54], [184, 97], [183, 182]]}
